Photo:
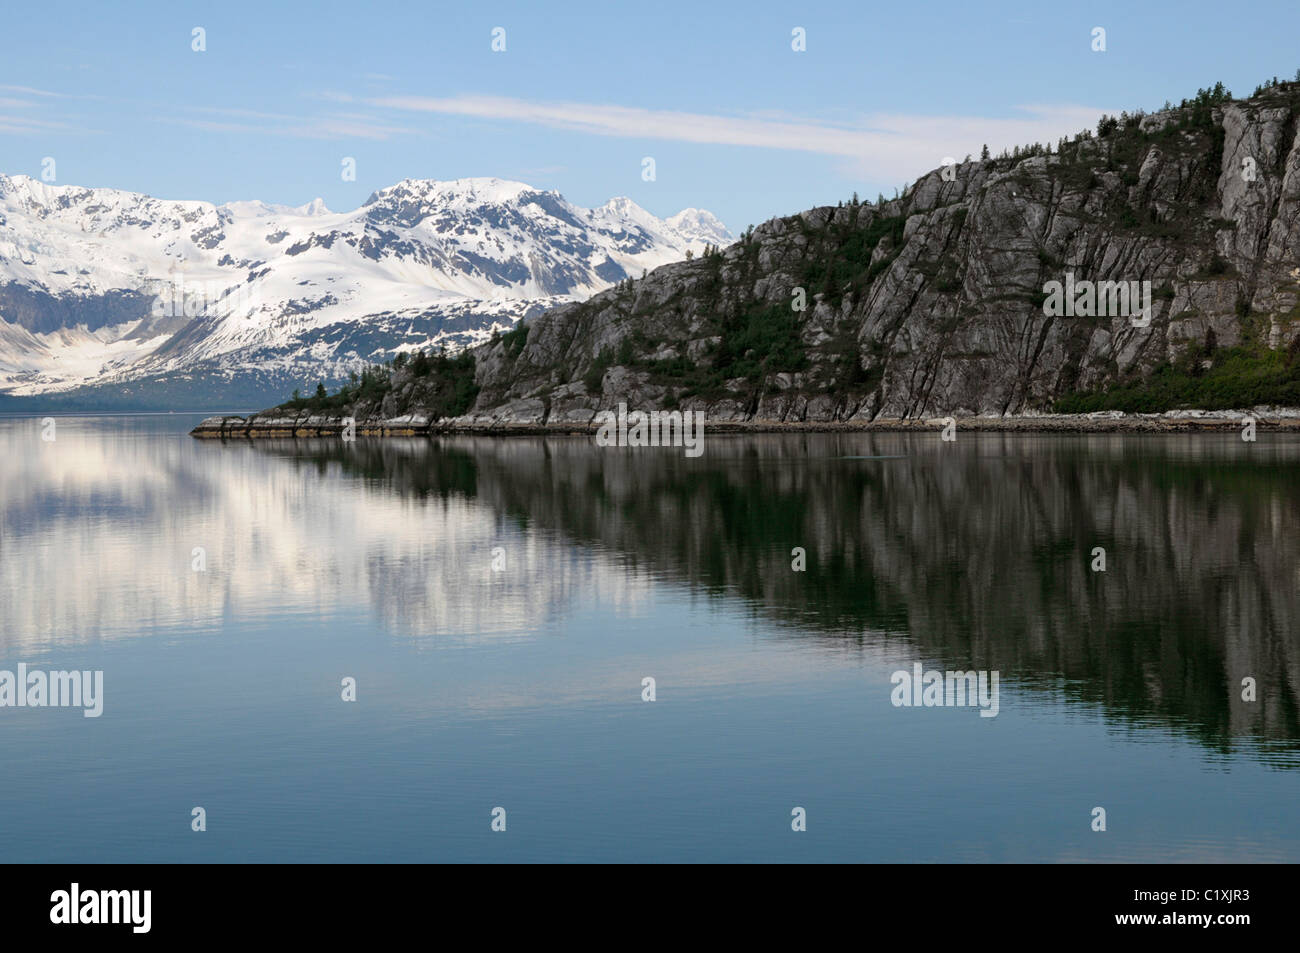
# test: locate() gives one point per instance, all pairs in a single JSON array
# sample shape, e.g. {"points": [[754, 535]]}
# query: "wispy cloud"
{"points": [[45, 93], [24, 126], [31, 91], [885, 143], [333, 96], [243, 113], [335, 126], [45, 103]]}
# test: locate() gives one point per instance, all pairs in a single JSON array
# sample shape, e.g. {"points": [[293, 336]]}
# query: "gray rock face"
{"points": [[932, 304]]}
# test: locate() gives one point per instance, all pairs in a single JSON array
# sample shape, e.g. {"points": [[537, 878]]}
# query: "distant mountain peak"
{"points": [[481, 190], [105, 284], [698, 224]]}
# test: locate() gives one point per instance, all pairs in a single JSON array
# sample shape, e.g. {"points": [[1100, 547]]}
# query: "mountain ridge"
{"points": [[939, 302], [109, 288]]}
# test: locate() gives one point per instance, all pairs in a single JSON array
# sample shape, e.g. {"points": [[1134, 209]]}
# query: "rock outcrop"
{"points": [[936, 303]]}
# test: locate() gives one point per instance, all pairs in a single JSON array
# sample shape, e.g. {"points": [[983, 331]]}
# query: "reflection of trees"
{"points": [[977, 552]]}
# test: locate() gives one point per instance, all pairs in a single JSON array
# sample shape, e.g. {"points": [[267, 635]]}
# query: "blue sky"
{"points": [[736, 121]]}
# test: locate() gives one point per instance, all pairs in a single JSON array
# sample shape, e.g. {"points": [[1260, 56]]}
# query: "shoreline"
{"points": [[310, 426]]}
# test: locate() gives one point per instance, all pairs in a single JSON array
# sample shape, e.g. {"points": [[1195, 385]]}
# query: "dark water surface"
{"points": [[522, 688]]}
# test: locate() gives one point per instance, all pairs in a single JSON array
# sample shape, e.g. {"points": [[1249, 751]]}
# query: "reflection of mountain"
{"points": [[977, 552], [97, 531], [973, 554]]}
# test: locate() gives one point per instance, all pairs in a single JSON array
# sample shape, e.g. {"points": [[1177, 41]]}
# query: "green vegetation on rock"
{"points": [[1237, 378], [440, 385]]}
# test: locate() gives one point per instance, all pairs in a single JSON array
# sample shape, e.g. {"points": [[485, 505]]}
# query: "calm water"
{"points": [[522, 688]]}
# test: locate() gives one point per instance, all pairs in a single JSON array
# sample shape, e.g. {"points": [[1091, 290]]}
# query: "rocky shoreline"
{"points": [[903, 314], [308, 426]]}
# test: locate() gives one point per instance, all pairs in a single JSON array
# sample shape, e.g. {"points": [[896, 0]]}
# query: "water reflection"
{"points": [[975, 554], [99, 532], [978, 553]]}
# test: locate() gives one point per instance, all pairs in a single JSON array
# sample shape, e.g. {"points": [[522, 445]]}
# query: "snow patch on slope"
{"points": [[103, 284]]}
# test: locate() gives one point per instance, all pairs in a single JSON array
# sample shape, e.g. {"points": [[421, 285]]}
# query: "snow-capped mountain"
{"points": [[106, 288]]}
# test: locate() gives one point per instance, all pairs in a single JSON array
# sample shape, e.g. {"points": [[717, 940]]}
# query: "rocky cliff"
{"points": [[937, 302]]}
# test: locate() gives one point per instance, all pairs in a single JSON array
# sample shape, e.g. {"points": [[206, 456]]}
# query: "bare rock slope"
{"points": [[933, 303]]}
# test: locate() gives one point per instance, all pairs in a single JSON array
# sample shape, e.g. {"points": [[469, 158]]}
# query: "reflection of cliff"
{"points": [[977, 551], [974, 553]]}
